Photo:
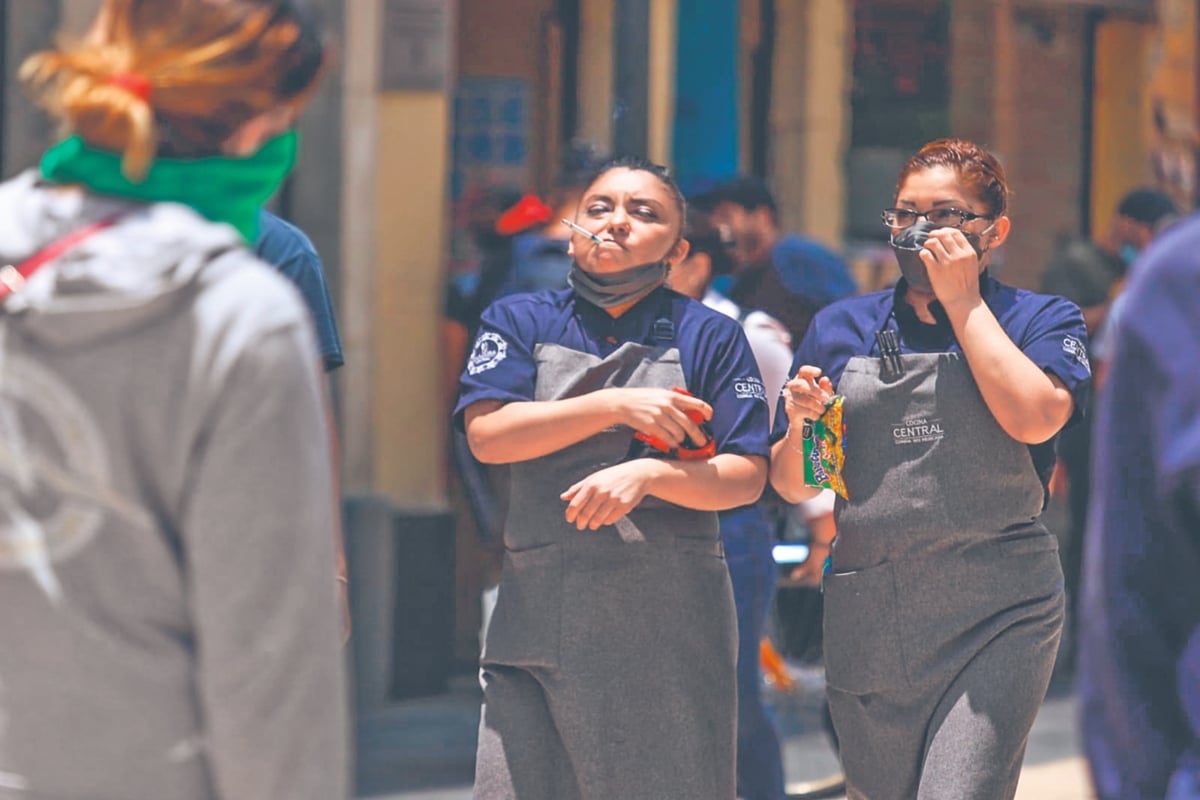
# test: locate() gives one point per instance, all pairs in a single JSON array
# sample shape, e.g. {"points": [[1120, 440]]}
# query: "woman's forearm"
{"points": [[726, 480], [1029, 404], [787, 472], [505, 433]]}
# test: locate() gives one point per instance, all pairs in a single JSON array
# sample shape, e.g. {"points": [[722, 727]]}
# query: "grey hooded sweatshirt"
{"points": [[168, 624]]}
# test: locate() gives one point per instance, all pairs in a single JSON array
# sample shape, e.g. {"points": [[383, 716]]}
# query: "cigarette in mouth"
{"points": [[582, 230]]}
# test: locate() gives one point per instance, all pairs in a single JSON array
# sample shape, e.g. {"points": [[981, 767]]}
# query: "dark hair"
{"points": [[1147, 206], [978, 170], [747, 191], [704, 238], [639, 164]]}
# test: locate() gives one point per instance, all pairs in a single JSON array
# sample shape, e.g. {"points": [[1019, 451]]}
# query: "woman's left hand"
{"points": [[605, 496], [953, 266]]}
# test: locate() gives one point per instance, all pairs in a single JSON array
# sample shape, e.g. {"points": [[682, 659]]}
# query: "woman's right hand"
{"points": [[805, 396], [661, 413]]}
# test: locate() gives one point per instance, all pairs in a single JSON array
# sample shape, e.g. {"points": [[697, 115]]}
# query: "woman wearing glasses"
{"points": [[943, 598]]}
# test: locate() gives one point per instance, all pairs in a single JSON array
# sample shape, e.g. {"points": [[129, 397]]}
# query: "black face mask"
{"points": [[908, 244]]}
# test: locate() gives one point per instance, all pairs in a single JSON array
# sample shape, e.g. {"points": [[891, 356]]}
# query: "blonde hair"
{"points": [[206, 67]]}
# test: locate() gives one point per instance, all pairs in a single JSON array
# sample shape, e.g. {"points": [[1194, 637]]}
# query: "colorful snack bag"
{"points": [[825, 448]]}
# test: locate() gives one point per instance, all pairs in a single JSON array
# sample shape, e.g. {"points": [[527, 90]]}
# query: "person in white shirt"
{"points": [[748, 532]]}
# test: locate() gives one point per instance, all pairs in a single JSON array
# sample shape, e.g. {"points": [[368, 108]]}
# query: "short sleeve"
{"points": [[288, 250], [1056, 340], [501, 365], [727, 377]]}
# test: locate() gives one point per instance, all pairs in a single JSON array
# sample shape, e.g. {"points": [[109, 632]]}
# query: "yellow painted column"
{"points": [[408, 418], [356, 318], [827, 110], [1172, 93], [810, 117], [1004, 113], [396, 156], [663, 16], [595, 90], [1120, 119]]}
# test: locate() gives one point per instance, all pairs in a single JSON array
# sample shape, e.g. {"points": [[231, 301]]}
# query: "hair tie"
{"points": [[137, 85]]}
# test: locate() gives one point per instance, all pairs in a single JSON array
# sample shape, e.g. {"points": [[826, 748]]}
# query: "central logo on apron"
{"points": [[918, 430]]}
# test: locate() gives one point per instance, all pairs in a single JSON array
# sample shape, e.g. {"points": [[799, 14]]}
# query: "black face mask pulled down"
{"points": [[614, 289], [908, 244]]}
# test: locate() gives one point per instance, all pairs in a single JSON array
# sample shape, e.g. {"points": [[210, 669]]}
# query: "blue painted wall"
{"points": [[705, 136]]}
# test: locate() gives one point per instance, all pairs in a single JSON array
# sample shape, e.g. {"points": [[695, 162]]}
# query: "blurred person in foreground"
{"points": [[790, 277], [1140, 612], [1091, 274], [166, 492]]}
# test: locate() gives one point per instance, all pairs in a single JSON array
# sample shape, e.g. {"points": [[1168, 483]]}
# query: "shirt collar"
{"points": [[635, 323], [939, 333]]}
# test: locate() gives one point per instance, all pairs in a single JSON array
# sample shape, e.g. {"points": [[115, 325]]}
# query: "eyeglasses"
{"points": [[942, 217]]}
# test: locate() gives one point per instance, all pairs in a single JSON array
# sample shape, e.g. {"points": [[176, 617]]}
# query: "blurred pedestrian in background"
{"points": [[746, 532], [788, 276], [1092, 275], [1140, 614], [167, 491], [289, 250], [943, 599], [496, 216], [539, 255], [609, 666]]}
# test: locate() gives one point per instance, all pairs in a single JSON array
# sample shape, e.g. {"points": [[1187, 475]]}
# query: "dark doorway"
{"points": [[900, 99]]}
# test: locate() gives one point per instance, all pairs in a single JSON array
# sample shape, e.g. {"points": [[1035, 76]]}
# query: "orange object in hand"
{"points": [[706, 450]]}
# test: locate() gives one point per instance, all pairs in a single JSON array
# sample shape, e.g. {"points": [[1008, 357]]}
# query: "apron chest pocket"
{"points": [[526, 623], [863, 646]]}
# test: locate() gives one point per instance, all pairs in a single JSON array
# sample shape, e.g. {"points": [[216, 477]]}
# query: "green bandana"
{"points": [[219, 188]]}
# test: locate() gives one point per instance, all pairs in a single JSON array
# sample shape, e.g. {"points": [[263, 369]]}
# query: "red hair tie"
{"points": [[137, 85]]}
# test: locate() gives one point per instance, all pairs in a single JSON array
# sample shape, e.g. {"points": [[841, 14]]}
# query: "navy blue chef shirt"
{"points": [[717, 363], [1140, 613], [1047, 329], [287, 249]]}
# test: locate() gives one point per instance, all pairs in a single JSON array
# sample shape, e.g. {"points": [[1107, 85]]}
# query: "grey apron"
{"points": [[609, 663], [945, 602]]}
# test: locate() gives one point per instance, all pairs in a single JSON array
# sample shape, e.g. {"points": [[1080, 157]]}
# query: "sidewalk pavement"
{"points": [[424, 749]]}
